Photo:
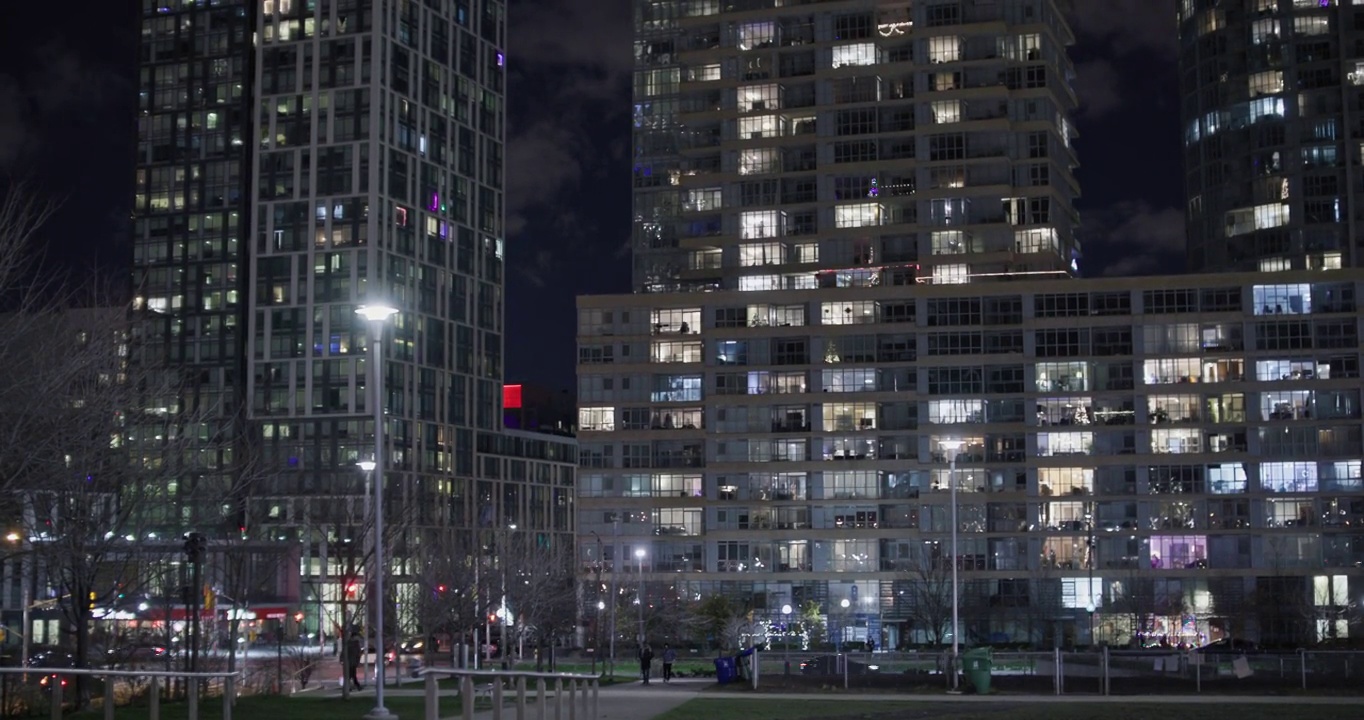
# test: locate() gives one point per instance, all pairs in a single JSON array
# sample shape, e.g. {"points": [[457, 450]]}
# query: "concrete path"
{"points": [[634, 701], [626, 701]]}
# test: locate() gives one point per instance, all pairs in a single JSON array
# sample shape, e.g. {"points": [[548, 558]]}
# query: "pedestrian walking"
{"points": [[353, 652], [669, 657], [646, 662]]}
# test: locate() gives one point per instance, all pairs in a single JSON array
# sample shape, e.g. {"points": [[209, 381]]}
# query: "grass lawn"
{"points": [[275, 707], [781, 709]]}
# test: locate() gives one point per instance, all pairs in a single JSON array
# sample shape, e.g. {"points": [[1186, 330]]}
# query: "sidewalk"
{"points": [[634, 701], [627, 701]]}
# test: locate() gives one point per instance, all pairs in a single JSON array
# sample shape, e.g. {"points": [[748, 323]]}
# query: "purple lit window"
{"points": [[501, 59]]}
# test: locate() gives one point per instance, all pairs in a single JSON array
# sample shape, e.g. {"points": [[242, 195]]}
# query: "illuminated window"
{"points": [[944, 49], [759, 97], [704, 199], [845, 417], [1178, 552], [857, 54], [948, 242], [1059, 482], [598, 418], [956, 411], [758, 161], [677, 351], [858, 215], [1266, 83], [946, 111], [954, 274], [762, 224], [752, 254], [1311, 25], [659, 81], [1036, 240], [756, 35], [946, 81], [1020, 47], [706, 73], [1260, 217], [758, 283], [761, 126]]}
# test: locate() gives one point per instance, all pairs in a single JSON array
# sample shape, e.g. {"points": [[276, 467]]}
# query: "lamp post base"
{"points": [[380, 713]]}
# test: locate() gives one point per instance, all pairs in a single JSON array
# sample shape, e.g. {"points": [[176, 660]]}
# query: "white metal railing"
{"points": [[153, 691], [581, 692]]}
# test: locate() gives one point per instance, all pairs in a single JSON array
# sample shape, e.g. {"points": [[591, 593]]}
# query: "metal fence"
{"points": [[1101, 671], [26, 690], [572, 693]]}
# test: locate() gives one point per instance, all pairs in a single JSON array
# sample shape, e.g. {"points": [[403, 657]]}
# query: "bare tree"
{"points": [[22, 214], [96, 463], [928, 576], [541, 587], [441, 593], [245, 563]]}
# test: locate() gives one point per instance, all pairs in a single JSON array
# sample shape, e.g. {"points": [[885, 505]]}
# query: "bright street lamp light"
{"points": [[950, 447], [378, 315]]}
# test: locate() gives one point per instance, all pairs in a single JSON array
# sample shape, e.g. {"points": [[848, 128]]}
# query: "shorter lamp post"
{"points": [[950, 447]]}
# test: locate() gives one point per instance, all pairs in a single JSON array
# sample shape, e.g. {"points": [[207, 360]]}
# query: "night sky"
{"points": [[67, 124]]}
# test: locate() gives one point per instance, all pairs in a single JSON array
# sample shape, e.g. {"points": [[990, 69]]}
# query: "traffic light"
{"points": [[90, 602], [195, 547], [350, 589]]}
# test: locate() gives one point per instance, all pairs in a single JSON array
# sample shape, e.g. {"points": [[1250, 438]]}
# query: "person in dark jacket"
{"points": [[646, 662], [353, 652]]}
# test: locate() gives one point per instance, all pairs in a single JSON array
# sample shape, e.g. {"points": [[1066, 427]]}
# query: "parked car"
{"points": [[51, 660], [829, 665], [137, 653]]}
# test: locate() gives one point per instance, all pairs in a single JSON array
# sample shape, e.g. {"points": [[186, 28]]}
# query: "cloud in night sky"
{"points": [[1097, 86], [1141, 236], [578, 57], [58, 85], [1128, 26]]}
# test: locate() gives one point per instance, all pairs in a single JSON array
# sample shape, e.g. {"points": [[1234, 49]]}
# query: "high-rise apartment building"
{"points": [[1273, 113], [296, 160], [850, 144], [1137, 460], [813, 358]]}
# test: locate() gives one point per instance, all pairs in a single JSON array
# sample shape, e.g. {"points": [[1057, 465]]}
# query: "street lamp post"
{"points": [[615, 595], [596, 620], [950, 447], [378, 315], [505, 613], [639, 556], [1089, 565]]}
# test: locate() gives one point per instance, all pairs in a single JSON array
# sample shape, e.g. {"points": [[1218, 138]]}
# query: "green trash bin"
{"points": [[978, 664]]}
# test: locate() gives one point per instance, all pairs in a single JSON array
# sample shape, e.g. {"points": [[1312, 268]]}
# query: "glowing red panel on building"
{"points": [[511, 397]]}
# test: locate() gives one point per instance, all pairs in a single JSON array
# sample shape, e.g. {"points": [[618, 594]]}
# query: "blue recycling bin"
{"points": [[724, 670]]}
